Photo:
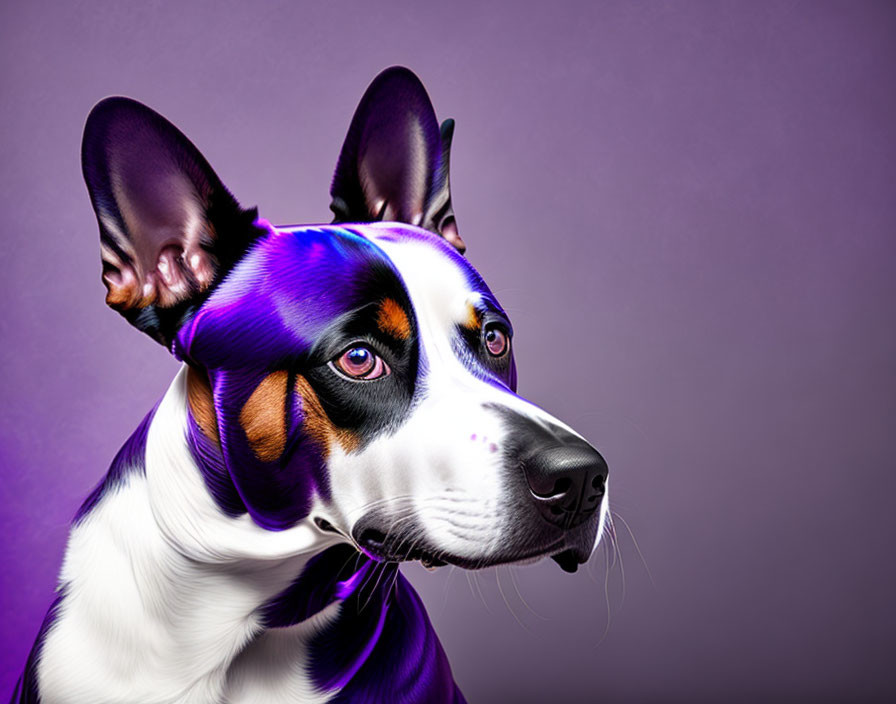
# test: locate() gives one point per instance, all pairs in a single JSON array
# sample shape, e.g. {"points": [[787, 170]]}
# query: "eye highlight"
{"points": [[497, 341], [360, 363]]}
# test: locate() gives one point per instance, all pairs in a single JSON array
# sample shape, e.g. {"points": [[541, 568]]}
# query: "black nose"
{"points": [[567, 482]]}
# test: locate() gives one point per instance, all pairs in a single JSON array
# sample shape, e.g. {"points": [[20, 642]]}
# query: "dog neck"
{"points": [[163, 597]]}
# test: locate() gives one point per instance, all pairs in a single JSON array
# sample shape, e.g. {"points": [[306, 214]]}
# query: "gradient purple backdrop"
{"points": [[689, 210]]}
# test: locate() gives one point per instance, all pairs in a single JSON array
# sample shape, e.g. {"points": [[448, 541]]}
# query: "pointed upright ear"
{"points": [[394, 162], [169, 229]]}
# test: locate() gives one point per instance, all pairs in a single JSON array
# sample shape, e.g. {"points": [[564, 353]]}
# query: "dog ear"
{"points": [[394, 162], [169, 229]]}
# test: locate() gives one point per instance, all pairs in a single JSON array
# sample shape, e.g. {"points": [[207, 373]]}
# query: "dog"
{"points": [[346, 402]]}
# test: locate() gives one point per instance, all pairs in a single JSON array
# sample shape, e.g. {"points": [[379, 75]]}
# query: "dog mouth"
{"points": [[376, 545], [379, 547], [568, 549], [428, 560]]}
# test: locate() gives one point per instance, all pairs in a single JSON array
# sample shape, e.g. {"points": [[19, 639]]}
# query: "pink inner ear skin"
{"points": [[172, 280], [122, 287], [449, 232], [164, 214]]}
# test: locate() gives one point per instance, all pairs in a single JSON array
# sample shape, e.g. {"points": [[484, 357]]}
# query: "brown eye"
{"points": [[361, 362], [496, 341]]}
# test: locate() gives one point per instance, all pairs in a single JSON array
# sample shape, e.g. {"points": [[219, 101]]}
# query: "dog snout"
{"points": [[567, 482], [565, 476]]}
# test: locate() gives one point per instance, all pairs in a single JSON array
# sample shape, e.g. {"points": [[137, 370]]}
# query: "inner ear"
{"points": [[169, 229], [395, 159]]}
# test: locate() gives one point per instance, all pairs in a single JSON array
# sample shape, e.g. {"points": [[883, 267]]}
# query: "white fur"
{"points": [[162, 591]]}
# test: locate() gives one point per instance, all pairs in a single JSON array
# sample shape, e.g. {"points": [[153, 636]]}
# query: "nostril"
{"points": [[561, 486], [598, 482]]}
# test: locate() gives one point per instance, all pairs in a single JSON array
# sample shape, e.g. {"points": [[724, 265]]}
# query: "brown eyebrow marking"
{"points": [[318, 426], [392, 319], [264, 417], [202, 404], [474, 318]]}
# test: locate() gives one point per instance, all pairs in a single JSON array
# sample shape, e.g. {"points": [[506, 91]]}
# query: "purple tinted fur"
{"points": [[321, 582], [402, 661], [26, 690], [210, 462], [130, 458], [278, 299], [266, 315], [381, 646]]}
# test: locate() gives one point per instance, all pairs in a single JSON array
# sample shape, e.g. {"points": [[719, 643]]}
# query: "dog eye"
{"points": [[361, 362], [497, 342]]}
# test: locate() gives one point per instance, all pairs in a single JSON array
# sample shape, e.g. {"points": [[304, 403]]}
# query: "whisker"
{"points": [[637, 547], [359, 592], [382, 571], [606, 600], [446, 588], [475, 578], [507, 603], [618, 548], [520, 595]]}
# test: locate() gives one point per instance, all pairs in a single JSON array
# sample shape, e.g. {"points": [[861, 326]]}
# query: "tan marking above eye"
{"points": [[392, 320], [202, 403], [474, 318], [318, 426], [264, 417]]}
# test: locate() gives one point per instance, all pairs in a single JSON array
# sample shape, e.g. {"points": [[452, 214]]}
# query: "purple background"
{"points": [[689, 210]]}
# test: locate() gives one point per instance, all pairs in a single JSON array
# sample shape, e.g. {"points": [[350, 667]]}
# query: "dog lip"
{"points": [[382, 547], [569, 560], [426, 558], [429, 560], [431, 563], [481, 563]]}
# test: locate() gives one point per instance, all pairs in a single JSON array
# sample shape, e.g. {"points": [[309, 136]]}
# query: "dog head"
{"points": [[359, 375]]}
